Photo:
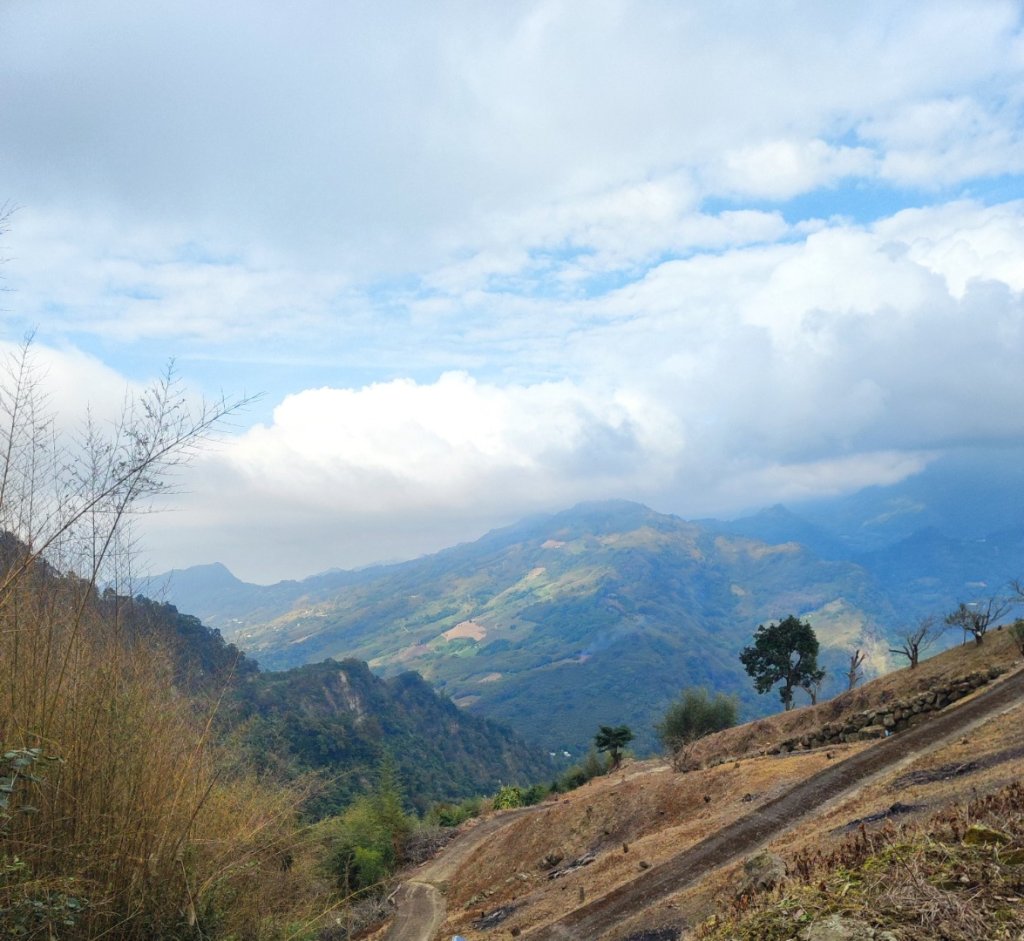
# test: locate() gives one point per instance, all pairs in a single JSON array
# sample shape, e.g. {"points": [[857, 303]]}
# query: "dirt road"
{"points": [[420, 904], [748, 833], [419, 914]]}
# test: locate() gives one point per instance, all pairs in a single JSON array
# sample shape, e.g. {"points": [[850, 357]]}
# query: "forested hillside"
{"points": [[602, 613], [335, 719], [596, 615]]}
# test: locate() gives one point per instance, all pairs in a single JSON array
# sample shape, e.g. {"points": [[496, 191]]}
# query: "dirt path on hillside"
{"points": [[419, 901], [747, 834]]}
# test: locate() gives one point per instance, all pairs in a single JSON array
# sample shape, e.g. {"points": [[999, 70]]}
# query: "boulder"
{"points": [[762, 872], [871, 731], [836, 928]]}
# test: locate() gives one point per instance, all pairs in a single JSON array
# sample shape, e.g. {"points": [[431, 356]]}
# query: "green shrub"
{"points": [[508, 797], [451, 815], [365, 843], [694, 715], [534, 794], [592, 766]]}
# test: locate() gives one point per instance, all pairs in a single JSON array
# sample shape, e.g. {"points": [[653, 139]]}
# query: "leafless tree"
{"points": [[976, 617], [913, 642], [813, 686], [855, 674]]}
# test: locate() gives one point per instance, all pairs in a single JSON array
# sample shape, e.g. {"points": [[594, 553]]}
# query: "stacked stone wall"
{"points": [[888, 718]]}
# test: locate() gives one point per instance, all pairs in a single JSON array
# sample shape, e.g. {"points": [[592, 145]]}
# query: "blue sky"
{"points": [[484, 260]]}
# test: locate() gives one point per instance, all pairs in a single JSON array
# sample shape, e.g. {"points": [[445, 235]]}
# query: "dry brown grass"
{"points": [[926, 880], [998, 650], [117, 818], [135, 830], [658, 813]]}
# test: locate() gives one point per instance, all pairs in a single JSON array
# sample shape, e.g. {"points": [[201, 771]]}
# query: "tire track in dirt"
{"points": [[747, 834]]}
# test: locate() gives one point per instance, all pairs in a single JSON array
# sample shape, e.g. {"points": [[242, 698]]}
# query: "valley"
{"points": [[600, 614]]}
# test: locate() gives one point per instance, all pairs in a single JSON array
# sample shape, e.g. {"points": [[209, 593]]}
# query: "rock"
{"points": [[763, 872], [836, 928], [978, 834], [551, 860], [872, 731], [490, 919]]}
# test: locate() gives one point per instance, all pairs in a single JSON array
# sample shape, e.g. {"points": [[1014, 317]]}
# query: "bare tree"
{"points": [[855, 674], [813, 686], [913, 642], [976, 617]]}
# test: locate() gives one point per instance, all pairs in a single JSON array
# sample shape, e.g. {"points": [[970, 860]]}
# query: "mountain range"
{"points": [[602, 613]]}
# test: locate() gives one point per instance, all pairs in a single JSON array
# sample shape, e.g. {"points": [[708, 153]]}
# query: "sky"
{"points": [[479, 261]]}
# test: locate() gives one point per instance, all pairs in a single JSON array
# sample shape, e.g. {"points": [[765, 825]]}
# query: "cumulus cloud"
{"points": [[488, 260], [718, 384]]}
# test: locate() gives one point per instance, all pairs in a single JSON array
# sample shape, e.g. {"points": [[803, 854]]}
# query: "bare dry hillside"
{"points": [[534, 876]]}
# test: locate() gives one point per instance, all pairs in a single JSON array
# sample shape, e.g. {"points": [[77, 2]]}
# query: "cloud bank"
{"points": [[491, 261]]}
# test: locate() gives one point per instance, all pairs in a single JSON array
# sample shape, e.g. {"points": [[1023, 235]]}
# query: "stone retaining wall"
{"points": [[889, 718]]}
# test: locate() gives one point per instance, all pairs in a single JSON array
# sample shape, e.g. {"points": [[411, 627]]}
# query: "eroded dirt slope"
{"points": [[637, 832]]}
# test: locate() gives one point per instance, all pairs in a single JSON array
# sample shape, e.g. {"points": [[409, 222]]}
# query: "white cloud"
{"points": [[781, 169], [479, 253], [962, 242], [720, 383], [408, 444], [937, 142], [73, 384]]}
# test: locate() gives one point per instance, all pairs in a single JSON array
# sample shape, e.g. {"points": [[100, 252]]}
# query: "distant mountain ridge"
{"points": [[603, 612], [596, 615]]}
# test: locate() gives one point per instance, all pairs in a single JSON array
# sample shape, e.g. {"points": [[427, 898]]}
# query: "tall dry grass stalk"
{"points": [[120, 824]]}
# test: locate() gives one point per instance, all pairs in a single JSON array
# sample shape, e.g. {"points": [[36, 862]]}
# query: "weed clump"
{"points": [[959, 876]]}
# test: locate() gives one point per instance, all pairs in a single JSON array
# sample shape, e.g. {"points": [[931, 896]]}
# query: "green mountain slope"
{"points": [[336, 719], [598, 615], [340, 719]]}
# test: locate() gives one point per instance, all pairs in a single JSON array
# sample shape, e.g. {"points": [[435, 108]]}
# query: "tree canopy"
{"points": [[613, 739], [786, 652]]}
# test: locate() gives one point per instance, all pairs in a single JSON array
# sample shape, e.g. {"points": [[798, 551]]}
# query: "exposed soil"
{"points": [[418, 914], [750, 832], [645, 829], [419, 901], [958, 769]]}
